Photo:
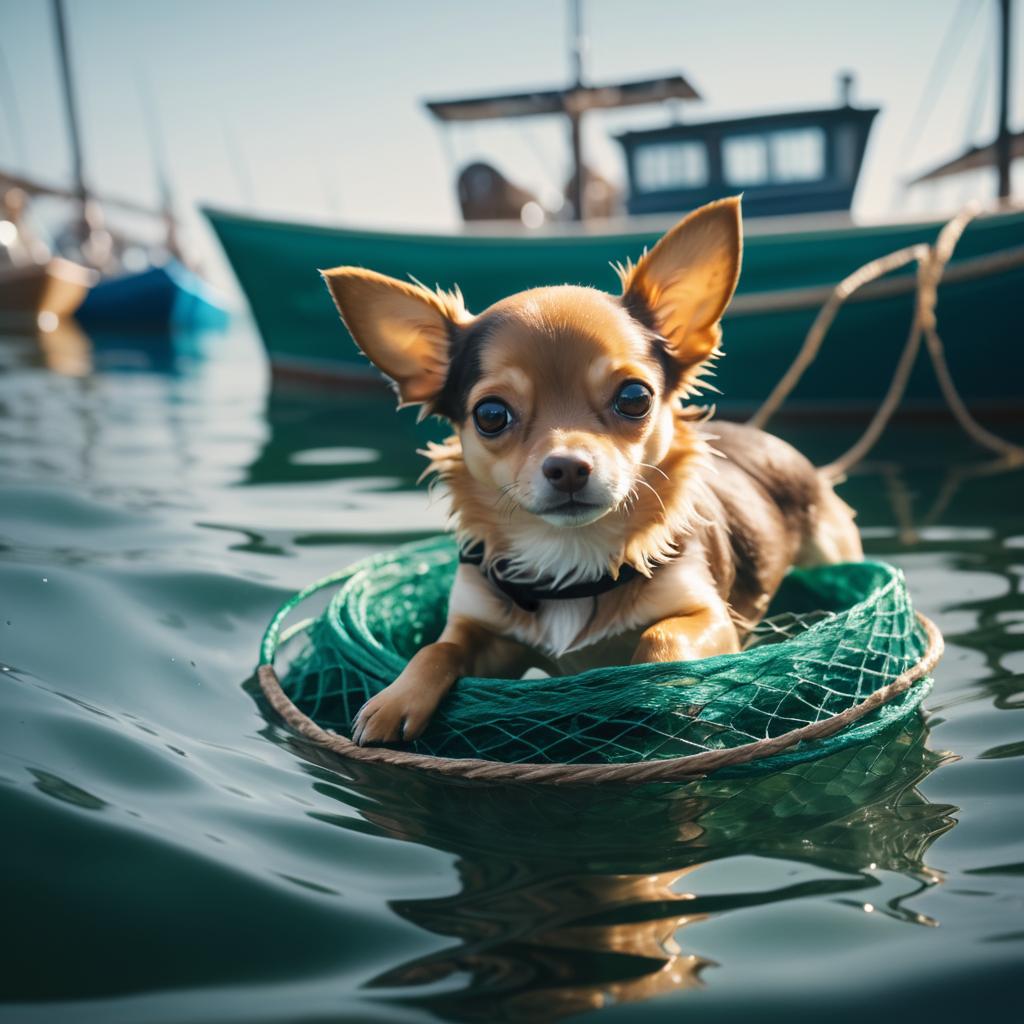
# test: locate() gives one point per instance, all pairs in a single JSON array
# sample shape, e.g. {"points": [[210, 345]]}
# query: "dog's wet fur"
{"points": [[599, 465]]}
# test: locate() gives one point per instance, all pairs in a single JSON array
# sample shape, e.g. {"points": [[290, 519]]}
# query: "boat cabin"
{"points": [[795, 162]]}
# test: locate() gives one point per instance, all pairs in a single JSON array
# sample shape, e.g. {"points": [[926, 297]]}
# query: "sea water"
{"points": [[171, 853]]}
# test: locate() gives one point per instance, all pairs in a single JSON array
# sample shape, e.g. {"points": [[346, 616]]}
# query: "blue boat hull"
{"points": [[158, 298]]}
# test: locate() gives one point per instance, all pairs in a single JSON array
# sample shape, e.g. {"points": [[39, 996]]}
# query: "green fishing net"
{"points": [[832, 636]]}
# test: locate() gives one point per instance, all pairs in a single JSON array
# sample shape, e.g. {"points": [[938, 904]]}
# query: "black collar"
{"points": [[529, 595]]}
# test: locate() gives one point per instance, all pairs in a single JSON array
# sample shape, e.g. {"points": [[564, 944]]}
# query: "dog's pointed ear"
{"points": [[683, 285], [403, 329]]}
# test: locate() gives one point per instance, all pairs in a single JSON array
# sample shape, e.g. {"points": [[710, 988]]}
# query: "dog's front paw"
{"points": [[391, 716]]}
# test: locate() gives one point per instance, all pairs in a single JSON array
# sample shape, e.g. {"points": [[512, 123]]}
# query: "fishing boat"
{"points": [[797, 170], [88, 274], [37, 288], [787, 276]]}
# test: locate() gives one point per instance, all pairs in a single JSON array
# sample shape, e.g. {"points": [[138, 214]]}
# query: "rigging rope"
{"points": [[938, 75]]}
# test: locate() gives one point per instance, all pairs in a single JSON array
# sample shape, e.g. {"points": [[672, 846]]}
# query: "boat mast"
{"points": [[576, 183], [70, 105], [1003, 140], [1006, 145], [571, 103]]}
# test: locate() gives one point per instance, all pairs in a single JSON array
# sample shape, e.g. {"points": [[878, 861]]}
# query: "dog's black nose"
{"points": [[567, 473]]}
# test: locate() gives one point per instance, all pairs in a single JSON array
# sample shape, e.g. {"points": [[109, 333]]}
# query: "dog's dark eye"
{"points": [[634, 400], [491, 417]]}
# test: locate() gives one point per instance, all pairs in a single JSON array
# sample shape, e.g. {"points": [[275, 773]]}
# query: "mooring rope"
{"points": [[931, 265]]}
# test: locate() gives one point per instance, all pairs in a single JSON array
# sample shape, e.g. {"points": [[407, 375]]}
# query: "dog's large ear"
{"points": [[403, 329], [683, 285]]}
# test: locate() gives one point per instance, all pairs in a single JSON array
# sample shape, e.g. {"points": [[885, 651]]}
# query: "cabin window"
{"points": [[781, 157], [671, 165], [745, 159], [798, 155]]}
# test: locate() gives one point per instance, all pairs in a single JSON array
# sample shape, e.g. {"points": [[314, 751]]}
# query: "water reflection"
{"points": [[572, 899], [68, 350], [311, 435], [323, 435], [65, 350], [172, 486]]}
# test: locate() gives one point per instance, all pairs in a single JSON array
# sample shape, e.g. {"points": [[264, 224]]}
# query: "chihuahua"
{"points": [[600, 520]]}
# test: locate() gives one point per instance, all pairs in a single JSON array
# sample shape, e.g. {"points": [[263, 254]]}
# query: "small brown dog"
{"points": [[595, 521]]}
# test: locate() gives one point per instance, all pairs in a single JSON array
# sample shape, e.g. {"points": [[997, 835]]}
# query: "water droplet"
{"points": [[45, 580], [868, 908]]}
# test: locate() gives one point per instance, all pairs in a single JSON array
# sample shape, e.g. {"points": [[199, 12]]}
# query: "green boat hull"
{"points": [[786, 276]]}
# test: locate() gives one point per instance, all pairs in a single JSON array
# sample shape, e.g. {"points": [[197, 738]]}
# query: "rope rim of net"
{"points": [[673, 769]]}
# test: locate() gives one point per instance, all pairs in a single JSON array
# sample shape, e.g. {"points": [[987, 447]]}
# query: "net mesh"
{"points": [[832, 636]]}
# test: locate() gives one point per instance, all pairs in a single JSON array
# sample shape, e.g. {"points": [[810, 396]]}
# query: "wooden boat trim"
{"points": [[56, 268], [816, 296], [37, 295]]}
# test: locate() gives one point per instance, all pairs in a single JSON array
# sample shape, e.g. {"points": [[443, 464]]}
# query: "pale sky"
{"points": [[311, 109]]}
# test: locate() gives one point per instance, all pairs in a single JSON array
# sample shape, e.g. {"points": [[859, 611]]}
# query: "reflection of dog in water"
{"points": [[543, 946], [573, 899]]}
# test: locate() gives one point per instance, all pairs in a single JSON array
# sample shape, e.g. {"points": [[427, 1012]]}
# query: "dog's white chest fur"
{"points": [[560, 627]]}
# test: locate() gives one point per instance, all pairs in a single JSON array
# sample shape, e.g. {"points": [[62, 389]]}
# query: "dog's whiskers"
{"points": [[506, 503], [657, 469], [655, 493], [504, 493]]}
